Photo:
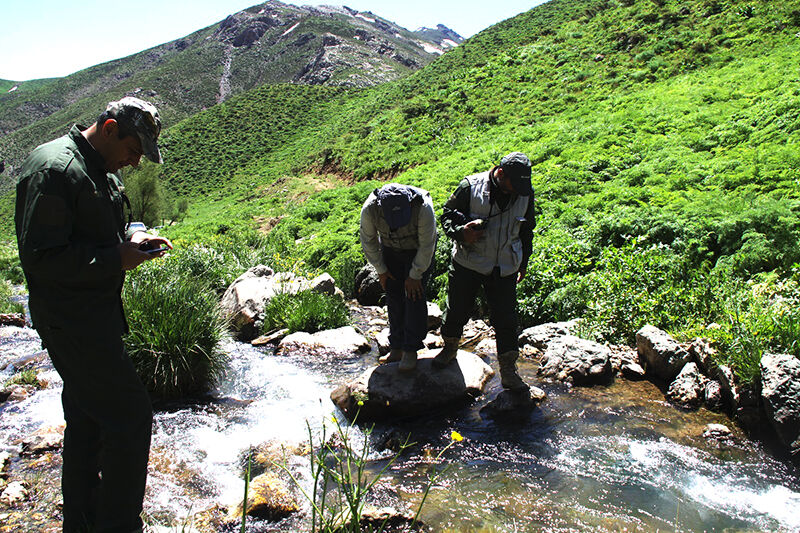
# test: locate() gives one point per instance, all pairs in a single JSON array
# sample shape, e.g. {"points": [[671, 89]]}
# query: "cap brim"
{"points": [[150, 149]]}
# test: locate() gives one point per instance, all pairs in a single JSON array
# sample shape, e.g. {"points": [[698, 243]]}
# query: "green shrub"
{"points": [[6, 305], [29, 377], [175, 328], [754, 318], [305, 311], [10, 267]]}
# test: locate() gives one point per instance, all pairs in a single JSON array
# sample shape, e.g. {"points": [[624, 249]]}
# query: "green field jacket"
{"points": [[69, 220]]}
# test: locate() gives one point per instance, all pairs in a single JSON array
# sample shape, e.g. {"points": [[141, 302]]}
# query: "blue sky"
{"points": [[49, 38]]}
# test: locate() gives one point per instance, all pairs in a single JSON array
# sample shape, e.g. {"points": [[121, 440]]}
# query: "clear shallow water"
{"points": [[601, 459]]}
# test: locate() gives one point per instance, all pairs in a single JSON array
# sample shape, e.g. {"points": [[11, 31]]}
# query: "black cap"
{"points": [[517, 167]]}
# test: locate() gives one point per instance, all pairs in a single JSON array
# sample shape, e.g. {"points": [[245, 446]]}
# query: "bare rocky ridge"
{"points": [[266, 44]]}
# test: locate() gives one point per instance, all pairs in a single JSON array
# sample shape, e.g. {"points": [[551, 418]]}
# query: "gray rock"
{"points": [[724, 375], [382, 339], [513, 404], [780, 392], [542, 335], [713, 398], [717, 432], [632, 371], [663, 355], [368, 287], [434, 316], [625, 361], [574, 360], [384, 392], [15, 493], [275, 336], [432, 341], [245, 299], [341, 341], [323, 284], [40, 442], [703, 354], [688, 389], [5, 460]]}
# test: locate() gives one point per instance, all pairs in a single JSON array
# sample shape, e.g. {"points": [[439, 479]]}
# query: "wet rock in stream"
{"points": [[383, 392]]}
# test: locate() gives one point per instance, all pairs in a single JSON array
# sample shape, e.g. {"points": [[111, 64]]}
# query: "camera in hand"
{"points": [[481, 224]]}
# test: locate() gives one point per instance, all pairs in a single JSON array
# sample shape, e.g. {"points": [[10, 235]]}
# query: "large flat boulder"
{"points": [[780, 393], [662, 354], [340, 341], [578, 361], [383, 392], [542, 335]]}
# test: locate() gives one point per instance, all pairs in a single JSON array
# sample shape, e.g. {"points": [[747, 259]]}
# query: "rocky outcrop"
{"points": [[663, 355], [244, 301], [383, 392], [344, 341], [780, 392], [578, 361]]}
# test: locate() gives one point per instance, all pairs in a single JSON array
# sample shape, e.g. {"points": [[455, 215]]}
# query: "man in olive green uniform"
{"points": [[71, 232]]}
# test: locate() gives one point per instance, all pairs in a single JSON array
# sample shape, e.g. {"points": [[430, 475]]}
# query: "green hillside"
{"points": [[664, 137]]}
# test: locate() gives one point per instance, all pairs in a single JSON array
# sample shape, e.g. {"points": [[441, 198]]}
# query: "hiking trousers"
{"points": [[501, 295], [107, 438], [408, 319]]}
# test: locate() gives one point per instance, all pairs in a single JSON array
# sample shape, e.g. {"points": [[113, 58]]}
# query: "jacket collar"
{"points": [[90, 155]]}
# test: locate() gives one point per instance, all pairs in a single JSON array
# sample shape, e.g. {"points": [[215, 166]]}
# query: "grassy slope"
{"points": [[674, 123]]}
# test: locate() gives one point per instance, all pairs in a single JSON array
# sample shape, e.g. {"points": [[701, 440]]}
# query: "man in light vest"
{"points": [[490, 218], [398, 236]]}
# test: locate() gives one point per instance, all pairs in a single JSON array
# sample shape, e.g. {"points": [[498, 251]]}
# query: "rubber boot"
{"points": [[508, 371], [448, 353], [394, 355], [409, 361]]}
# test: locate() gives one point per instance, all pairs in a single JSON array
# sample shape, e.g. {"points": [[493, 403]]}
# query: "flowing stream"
{"points": [[607, 458]]}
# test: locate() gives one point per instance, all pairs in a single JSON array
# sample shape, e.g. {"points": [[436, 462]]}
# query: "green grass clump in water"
{"points": [[305, 311], [175, 329], [28, 377]]}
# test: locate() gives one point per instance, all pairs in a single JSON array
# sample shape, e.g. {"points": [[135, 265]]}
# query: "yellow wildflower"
{"points": [[456, 436]]}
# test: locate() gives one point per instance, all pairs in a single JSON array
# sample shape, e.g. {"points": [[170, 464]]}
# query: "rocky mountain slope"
{"points": [[265, 44]]}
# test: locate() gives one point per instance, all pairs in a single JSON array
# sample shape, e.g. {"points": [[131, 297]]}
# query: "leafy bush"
{"points": [[10, 267], [175, 328], [29, 377], [6, 304], [754, 318], [305, 311]]}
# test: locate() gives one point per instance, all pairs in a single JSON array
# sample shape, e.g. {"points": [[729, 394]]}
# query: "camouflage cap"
{"points": [[141, 118], [517, 167]]}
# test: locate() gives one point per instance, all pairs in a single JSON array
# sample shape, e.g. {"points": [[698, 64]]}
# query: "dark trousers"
{"points": [[408, 319], [107, 438], [501, 295]]}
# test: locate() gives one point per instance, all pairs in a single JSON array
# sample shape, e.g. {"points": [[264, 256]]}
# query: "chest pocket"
{"points": [[98, 213]]}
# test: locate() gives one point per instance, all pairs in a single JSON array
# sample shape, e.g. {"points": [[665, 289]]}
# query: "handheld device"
{"points": [[157, 250]]}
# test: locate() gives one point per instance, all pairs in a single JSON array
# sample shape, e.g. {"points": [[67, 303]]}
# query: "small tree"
{"points": [[146, 193]]}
